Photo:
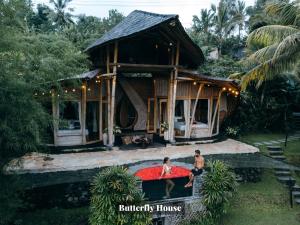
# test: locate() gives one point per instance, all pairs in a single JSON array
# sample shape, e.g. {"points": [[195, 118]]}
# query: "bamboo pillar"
{"points": [[54, 115], [100, 111], [215, 112], [108, 94], [155, 106], [173, 94], [83, 111], [113, 93], [194, 109]]}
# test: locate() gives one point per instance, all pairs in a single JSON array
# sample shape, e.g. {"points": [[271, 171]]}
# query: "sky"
{"points": [[184, 8]]}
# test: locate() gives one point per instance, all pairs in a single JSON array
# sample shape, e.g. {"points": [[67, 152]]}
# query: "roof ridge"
{"points": [[155, 14]]}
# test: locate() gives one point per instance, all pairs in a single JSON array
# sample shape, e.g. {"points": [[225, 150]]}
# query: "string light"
{"points": [[73, 90], [224, 88], [229, 89], [35, 94], [89, 89], [195, 83], [66, 91], [83, 87], [43, 93]]}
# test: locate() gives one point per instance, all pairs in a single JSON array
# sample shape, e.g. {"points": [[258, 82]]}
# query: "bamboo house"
{"points": [[144, 81]]}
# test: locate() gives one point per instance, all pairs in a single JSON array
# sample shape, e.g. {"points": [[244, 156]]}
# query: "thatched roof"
{"points": [[139, 22], [135, 22]]}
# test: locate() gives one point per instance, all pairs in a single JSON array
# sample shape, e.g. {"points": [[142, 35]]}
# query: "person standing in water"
{"points": [[198, 168], [167, 170]]}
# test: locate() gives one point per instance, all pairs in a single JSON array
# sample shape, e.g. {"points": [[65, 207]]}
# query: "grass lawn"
{"points": [[292, 151], [263, 203]]}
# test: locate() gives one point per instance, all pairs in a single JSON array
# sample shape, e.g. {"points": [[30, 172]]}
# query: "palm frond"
{"points": [[271, 68], [287, 12], [289, 45], [269, 35], [260, 56]]}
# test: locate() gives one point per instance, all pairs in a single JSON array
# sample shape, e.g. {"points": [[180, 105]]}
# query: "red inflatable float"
{"points": [[153, 173]]}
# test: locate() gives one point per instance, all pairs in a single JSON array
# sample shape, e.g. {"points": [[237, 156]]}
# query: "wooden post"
{"points": [[194, 109], [210, 111], [155, 107], [100, 111], [83, 111], [215, 112], [113, 93], [108, 94], [54, 115], [173, 95]]}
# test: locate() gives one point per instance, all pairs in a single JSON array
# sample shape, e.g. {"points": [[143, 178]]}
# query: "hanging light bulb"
{"points": [[224, 88], [66, 91], [73, 90], [43, 93], [194, 83], [229, 89], [89, 89]]}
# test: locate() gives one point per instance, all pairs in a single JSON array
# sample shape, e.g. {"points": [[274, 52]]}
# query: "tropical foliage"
{"points": [[110, 189], [274, 48], [36, 50], [219, 185]]}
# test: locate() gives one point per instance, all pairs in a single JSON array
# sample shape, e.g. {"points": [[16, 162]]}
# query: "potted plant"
{"points": [[165, 128], [105, 136], [116, 130]]}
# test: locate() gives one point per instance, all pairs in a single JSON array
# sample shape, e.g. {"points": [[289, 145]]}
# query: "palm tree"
{"points": [[276, 47], [62, 15], [204, 23], [240, 16], [224, 23]]}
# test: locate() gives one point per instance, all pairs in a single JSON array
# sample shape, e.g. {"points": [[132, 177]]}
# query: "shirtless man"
{"points": [[198, 168]]}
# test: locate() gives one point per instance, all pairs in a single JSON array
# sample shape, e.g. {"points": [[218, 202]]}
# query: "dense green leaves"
{"points": [[111, 188], [219, 185]]}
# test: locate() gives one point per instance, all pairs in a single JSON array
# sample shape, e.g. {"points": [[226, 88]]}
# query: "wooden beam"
{"points": [[216, 110], [194, 109], [107, 75], [134, 65], [83, 111], [100, 111], [113, 93]]}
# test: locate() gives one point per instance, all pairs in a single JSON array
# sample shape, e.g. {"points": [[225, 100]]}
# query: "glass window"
{"points": [[201, 113], [69, 115]]}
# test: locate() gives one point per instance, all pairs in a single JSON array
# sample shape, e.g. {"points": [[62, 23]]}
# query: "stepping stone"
{"points": [[267, 142], [282, 173], [281, 141], [296, 188], [285, 179], [274, 148], [276, 152], [274, 142], [296, 193], [297, 200], [279, 157], [282, 169], [258, 144]]}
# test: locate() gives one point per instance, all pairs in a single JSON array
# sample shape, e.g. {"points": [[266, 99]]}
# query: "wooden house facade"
{"points": [[144, 77]]}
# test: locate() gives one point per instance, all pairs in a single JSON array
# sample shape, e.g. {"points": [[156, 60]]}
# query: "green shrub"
{"points": [[111, 188], [219, 185]]}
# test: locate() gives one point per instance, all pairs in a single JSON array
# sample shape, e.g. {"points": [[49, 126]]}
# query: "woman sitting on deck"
{"points": [[166, 170]]}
